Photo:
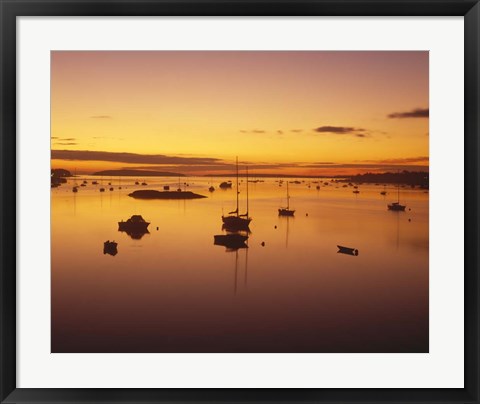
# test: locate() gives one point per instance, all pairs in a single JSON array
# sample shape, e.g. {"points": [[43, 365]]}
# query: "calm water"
{"points": [[175, 291]]}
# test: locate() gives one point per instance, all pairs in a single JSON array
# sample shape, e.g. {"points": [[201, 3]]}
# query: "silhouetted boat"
{"points": [[75, 189], [235, 220], [166, 188], [94, 182], [225, 185], [102, 189], [347, 250], [211, 189], [135, 223], [286, 211], [384, 192], [144, 183], [396, 206], [356, 191], [110, 247]]}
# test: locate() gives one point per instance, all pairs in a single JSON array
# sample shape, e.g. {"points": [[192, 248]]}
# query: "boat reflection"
{"points": [[232, 241]]}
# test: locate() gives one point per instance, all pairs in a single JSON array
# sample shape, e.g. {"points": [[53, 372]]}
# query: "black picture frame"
{"points": [[10, 9]]}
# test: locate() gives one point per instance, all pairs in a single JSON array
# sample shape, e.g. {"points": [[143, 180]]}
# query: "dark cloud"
{"points": [[131, 158], [253, 131], [404, 160], [372, 166], [101, 117], [416, 113], [339, 130]]}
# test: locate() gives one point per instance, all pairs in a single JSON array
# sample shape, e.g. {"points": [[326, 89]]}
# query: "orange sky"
{"points": [[303, 113]]}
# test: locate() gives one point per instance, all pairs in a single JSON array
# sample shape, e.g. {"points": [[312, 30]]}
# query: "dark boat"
{"points": [[211, 189], [225, 185], [232, 241], [144, 183], [75, 189], [347, 250], [286, 211], [94, 182], [102, 189], [356, 191], [235, 220], [384, 192], [110, 247], [135, 223], [166, 188], [396, 206]]}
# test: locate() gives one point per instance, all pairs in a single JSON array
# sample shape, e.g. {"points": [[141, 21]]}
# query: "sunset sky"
{"points": [[301, 113]]}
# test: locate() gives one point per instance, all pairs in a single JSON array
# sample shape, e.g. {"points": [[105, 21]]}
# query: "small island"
{"points": [[152, 194]]}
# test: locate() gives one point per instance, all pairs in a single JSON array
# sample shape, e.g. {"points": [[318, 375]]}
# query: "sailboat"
{"points": [[286, 211], [384, 192], [395, 206], [235, 220]]}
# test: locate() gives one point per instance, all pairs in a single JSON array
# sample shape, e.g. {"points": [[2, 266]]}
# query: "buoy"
{"points": [[306, 214], [157, 228], [275, 227], [263, 243]]}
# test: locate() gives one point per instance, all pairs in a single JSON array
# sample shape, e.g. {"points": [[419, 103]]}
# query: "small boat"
{"points": [[211, 189], [347, 250], [84, 182], [111, 188], [94, 182], [356, 191], [82, 185], [286, 211], [137, 183], [144, 183], [102, 189], [75, 189], [166, 188], [396, 206], [384, 192], [225, 185], [235, 220], [136, 223], [110, 247]]}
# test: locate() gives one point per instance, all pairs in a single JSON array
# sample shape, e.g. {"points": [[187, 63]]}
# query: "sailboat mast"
{"points": [[247, 192], [238, 191], [288, 198]]}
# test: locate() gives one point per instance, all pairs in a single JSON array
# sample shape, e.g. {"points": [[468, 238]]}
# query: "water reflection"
{"points": [[166, 284]]}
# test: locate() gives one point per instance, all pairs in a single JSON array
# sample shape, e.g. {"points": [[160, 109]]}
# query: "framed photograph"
{"points": [[239, 201]]}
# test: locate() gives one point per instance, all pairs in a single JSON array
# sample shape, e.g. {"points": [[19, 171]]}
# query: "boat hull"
{"points": [[396, 207], [347, 250], [236, 222], [286, 212]]}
